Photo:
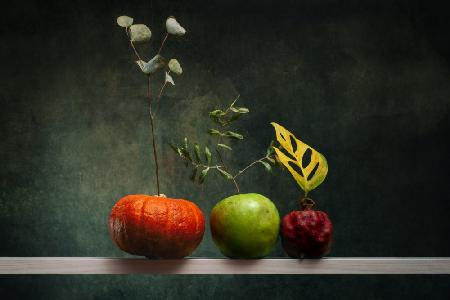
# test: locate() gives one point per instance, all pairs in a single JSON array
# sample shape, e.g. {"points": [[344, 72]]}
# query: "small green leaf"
{"points": [[234, 135], [140, 33], [217, 113], [202, 176], [124, 21], [186, 154], [234, 101], [186, 144], [243, 110], [271, 160], [175, 66], [207, 155], [239, 110], [214, 132], [234, 118], [225, 174], [267, 166], [197, 152], [270, 149], [173, 147], [224, 146], [193, 175]]}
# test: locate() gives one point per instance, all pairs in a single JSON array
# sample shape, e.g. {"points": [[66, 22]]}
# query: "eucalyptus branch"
{"points": [[140, 33]]}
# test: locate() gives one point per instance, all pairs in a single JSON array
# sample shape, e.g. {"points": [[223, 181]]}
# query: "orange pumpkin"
{"points": [[155, 226]]}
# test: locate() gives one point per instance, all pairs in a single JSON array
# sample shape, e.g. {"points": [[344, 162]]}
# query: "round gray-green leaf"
{"points": [[140, 33], [175, 66], [124, 21], [152, 65], [169, 79], [173, 27]]}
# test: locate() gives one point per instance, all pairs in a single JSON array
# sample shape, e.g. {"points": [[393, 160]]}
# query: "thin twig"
{"points": [[249, 166], [163, 42], [196, 165], [224, 167], [135, 51], [152, 125], [161, 90]]}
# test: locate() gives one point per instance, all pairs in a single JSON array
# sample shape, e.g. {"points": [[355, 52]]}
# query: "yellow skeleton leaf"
{"points": [[295, 156]]}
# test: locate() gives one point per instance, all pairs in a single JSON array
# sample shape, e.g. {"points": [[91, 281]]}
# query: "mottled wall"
{"points": [[366, 83]]}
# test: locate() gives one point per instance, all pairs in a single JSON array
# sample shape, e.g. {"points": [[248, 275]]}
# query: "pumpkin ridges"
{"points": [[147, 225], [197, 221]]}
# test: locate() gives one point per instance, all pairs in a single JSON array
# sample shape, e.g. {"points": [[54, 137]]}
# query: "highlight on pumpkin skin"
{"points": [[291, 153]]}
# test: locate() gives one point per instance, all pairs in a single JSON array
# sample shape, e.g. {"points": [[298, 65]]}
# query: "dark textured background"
{"points": [[367, 84]]}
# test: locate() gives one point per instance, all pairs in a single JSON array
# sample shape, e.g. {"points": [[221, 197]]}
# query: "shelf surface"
{"points": [[104, 265]]}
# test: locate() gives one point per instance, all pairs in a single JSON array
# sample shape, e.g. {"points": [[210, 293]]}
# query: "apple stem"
{"points": [[306, 203]]}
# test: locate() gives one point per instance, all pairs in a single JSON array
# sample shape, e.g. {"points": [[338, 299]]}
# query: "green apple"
{"points": [[245, 225]]}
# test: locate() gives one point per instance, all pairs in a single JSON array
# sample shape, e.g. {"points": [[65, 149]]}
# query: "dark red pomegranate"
{"points": [[306, 232]]}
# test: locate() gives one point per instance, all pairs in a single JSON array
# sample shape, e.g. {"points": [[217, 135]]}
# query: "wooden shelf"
{"points": [[99, 265]]}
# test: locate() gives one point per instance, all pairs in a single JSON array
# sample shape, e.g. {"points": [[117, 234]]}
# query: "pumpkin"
{"points": [[156, 227]]}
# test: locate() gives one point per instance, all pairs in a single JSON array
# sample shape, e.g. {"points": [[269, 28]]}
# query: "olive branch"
{"points": [[201, 159]]}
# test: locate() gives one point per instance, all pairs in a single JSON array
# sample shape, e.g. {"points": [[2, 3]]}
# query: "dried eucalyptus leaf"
{"points": [[175, 66], [173, 27], [140, 33], [197, 152], [169, 79], [152, 65], [225, 174], [202, 176], [124, 21], [208, 155], [224, 146]]}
